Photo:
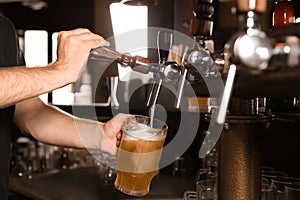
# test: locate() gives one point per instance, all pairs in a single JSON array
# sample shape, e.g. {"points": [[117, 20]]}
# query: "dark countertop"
{"points": [[86, 183]]}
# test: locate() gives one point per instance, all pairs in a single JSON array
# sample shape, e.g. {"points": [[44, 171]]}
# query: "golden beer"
{"points": [[138, 158]]}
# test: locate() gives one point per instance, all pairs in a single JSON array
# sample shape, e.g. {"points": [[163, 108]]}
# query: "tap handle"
{"points": [[211, 138], [154, 92], [105, 54], [180, 87], [226, 95], [164, 43], [113, 90]]}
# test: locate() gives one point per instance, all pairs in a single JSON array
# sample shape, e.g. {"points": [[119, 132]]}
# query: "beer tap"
{"points": [[250, 49], [256, 52], [197, 61], [107, 54], [165, 71], [251, 57]]}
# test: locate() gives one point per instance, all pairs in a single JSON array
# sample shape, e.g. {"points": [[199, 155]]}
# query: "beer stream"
{"points": [[152, 109], [137, 63]]}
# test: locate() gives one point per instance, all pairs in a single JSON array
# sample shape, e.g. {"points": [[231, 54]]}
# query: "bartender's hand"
{"points": [[112, 133], [73, 51]]}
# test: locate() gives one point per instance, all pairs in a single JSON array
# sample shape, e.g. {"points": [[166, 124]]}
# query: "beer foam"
{"points": [[136, 131]]}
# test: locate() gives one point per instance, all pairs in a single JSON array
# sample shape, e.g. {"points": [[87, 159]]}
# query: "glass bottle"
{"points": [[64, 161], [284, 13], [20, 168]]}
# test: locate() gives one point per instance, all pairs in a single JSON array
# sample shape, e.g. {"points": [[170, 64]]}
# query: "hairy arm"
{"points": [[19, 83], [51, 125]]}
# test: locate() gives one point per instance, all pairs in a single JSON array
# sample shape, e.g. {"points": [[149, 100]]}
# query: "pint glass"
{"points": [[139, 154]]}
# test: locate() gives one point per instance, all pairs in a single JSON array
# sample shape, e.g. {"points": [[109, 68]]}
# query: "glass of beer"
{"points": [[139, 154]]}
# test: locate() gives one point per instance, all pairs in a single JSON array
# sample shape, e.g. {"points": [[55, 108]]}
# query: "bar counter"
{"points": [[86, 183]]}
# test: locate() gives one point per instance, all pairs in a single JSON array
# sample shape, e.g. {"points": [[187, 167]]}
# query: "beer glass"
{"points": [[207, 189], [278, 185], [139, 154], [292, 192]]}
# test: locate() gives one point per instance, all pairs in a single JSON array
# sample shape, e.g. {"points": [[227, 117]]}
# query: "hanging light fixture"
{"points": [[140, 2]]}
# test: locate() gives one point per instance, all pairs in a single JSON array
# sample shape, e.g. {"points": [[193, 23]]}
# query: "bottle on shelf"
{"points": [[284, 13]]}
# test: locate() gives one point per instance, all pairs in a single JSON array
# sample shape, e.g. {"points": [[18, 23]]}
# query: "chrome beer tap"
{"points": [[257, 52], [165, 71], [197, 64], [249, 49]]}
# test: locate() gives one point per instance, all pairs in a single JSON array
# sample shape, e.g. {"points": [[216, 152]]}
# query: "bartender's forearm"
{"points": [[20, 83], [52, 125]]}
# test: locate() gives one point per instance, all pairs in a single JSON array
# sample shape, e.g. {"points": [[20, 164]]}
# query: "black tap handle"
{"points": [[164, 43]]}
